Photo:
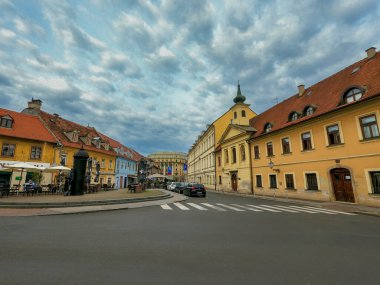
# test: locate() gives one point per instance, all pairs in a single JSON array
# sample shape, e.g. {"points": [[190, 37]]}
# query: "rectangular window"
{"points": [[285, 145], [226, 156], [289, 179], [311, 180], [103, 164], [306, 141], [219, 161], [233, 155], [375, 181], [220, 179], [256, 151], [270, 149], [333, 135], [259, 181], [110, 164], [35, 152], [272, 181], [369, 127], [8, 150]]}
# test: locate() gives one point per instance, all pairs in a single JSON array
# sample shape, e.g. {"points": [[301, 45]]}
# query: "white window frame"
{"points": [[368, 178], [312, 140], [339, 123], [305, 180], [358, 126], [294, 180]]}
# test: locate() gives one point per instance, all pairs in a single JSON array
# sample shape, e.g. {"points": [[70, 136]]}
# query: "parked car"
{"points": [[179, 187], [169, 185], [192, 189]]}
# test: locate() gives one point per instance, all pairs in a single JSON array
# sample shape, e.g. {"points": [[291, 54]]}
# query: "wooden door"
{"points": [[234, 183], [342, 184]]}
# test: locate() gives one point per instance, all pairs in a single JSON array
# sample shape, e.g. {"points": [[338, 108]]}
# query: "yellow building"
{"points": [[71, 137], [323, 143], [171, 163], [203, 157], [24, 138]]}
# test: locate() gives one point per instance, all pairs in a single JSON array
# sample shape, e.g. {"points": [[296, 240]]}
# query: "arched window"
{"points": [[267, 127], [243, 113], [308, 111], [352, 95], [293, 116], [233, 155], [242, 153]]}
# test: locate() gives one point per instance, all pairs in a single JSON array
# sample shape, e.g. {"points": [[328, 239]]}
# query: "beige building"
{"points": [[203, 155], [171, 163]]}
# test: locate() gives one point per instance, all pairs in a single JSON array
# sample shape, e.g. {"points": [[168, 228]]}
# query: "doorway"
{"points": [[234, 182], [342, 184]]}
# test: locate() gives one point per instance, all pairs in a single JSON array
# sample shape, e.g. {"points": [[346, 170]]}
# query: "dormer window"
{"points": [[88, 140], [352, 95], [75, 136], [243, 113], [309, 110], [6, 122], [267, 127], [293, 116]]}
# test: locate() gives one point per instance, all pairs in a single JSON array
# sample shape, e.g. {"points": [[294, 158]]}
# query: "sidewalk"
{"points": [[103, 201], [336, 206]]}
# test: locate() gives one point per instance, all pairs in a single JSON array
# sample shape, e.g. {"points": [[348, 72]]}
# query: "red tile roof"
{"points": [[59, 126], [325, 95], [26, 127], [115, 144]]}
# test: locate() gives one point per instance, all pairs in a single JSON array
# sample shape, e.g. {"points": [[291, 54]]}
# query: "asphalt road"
{"points": [[156, 245]]}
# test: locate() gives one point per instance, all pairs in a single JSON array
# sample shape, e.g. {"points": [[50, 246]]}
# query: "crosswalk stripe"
{"points": [[262, 208], [332, 211], [197, 206], [247, 208], [213, 207], [166, 207], [182, 207], [280, 208], [311, 211], [231, 208], [299, 210]]}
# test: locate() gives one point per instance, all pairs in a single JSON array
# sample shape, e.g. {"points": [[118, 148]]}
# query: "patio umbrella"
{"points": [[57, 168], [22, 166]]}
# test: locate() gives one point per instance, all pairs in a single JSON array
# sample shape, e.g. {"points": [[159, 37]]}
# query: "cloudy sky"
{"points": [[152, 73]]}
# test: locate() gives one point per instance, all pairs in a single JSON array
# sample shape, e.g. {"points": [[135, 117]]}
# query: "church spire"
{"points": [[239, 97]]}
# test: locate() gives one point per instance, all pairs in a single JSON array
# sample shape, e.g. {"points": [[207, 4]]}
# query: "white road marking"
{"points": [[331, 211], [213, 207], [247, 208], [280, 208], [311, 211], [197, 206], [262, 208], [166, 207], [230, 207], [182, 207]]}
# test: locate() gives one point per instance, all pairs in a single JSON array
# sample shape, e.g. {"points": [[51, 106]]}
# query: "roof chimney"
{"points": [[301, 89], [371, 52], [35, 104]]}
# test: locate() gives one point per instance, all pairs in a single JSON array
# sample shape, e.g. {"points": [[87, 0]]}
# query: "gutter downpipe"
{"points": [[250, 166]]}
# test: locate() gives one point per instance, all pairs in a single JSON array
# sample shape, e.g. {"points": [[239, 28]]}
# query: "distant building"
{"points": [[171, 163], [203, 154]]}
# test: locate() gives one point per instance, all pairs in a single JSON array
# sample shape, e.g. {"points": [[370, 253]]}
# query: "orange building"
{"points": [[323, 143]]}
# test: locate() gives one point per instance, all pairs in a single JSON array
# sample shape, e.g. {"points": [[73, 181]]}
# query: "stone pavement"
{"points": [[103, 201], [337, 206], [116, 200]]}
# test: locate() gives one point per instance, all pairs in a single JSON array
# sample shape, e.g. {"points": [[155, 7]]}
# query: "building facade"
{"points": [[204, 153], [24, 138], [323, 143], [71, 137], [171, 163]]}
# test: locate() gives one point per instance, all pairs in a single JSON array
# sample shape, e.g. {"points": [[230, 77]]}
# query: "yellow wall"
{"points": [[109, 172], [22, 153], [356, 155]]}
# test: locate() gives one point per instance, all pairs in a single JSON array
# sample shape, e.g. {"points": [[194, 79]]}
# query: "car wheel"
{"points": [[204, 195]]}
